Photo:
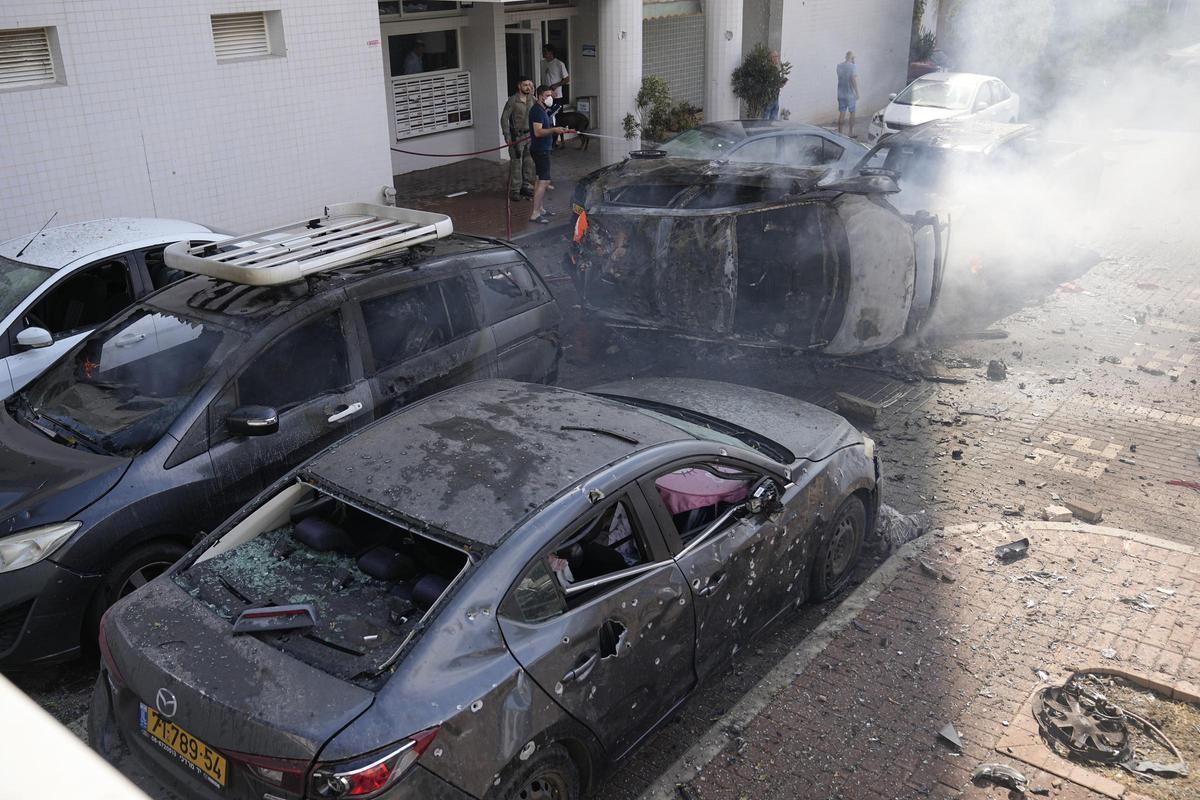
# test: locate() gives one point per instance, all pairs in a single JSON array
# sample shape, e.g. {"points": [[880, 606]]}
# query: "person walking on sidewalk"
{"points": [[541, 145], [514, 126], [847, 91]]}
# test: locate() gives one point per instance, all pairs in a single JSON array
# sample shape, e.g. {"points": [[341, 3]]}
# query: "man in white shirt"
{"points": [[414, 62], [554, 75], [554, 71]]}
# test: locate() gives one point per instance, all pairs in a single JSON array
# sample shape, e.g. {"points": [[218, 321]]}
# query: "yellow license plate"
{"points": [[578, 209], [196, 754]]}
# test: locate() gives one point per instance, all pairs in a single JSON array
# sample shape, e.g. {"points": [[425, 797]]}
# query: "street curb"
{"points": [[693, 761]]}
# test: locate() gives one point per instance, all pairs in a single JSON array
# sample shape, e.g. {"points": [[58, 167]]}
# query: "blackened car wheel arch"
{"points": [[839, 548], [548, 774], [133, 570]]}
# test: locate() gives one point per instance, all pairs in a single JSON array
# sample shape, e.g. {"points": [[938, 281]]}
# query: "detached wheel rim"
{"points": [[141, 576], [841, 550], [544, 786]]}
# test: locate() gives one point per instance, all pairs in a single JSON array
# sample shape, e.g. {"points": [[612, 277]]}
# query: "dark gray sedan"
{"points": [[497, 592]]}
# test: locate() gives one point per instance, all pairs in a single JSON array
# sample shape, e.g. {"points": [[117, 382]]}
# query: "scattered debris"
{"points": [[1151, 370], [1141, 602], [1013, 551], [1002, 775], [1056, 380], [1057, 514], [997, 370], [1110, 359], [937, 571], [949, 734], [849, 405], [1186, 484], [897, 529], [1081, 720], [1108, 653], [1084, 511], [957, 455]]}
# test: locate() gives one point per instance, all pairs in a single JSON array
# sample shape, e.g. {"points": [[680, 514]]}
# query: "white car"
{"points": [[945, 95], [57, 285]]}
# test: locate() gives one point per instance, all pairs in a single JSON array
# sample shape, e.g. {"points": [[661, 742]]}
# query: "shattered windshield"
{"points": [[700, 143], [123, 386], [954, 95], [17, 281]]}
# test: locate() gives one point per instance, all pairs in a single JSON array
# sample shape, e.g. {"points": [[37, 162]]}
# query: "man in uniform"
{"points": [[514, 126]]}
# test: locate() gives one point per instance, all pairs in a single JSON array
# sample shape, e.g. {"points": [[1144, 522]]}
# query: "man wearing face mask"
{"points": [[542, 131], [514, 126]]}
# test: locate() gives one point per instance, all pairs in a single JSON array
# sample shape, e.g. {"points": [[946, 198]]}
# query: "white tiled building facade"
{"points": [[152, 107], [142, 118]]}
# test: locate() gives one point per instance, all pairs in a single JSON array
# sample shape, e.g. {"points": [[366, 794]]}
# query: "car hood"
{"points": [[43, 482], [233, 692], [810, 432], [896, 114]]}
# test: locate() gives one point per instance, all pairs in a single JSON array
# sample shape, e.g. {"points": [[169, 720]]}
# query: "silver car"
{"points": [[59, 284]]}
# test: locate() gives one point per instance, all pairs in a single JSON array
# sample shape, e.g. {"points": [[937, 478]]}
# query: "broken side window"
{"points": [[405, 324], [697, 495]]}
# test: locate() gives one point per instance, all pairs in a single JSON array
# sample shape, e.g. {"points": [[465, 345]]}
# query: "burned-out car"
{"points": [[169, 417], [752, 252], [497, 592]]}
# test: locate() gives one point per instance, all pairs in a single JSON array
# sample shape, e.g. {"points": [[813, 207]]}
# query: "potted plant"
{"points": [[759, 79]]}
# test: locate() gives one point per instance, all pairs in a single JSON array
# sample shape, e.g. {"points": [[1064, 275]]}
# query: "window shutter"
{"points": [[240, 35], [25, 58]]}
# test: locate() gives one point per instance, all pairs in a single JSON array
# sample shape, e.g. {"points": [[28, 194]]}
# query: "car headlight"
{"points": [[869, 446], [31, 546]]}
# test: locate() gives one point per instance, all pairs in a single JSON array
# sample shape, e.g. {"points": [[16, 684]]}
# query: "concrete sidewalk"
{"points": [[946, 633]]}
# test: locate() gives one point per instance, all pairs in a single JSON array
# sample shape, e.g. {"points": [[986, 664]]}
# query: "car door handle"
{"points": [[583, 670], [714, 582], [346, 413]]}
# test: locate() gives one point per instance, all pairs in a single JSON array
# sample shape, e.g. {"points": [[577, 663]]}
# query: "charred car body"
{"points": [[496, 592], [173, 414], [755, 252]]}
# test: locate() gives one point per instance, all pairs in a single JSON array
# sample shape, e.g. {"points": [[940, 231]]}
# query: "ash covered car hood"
{"points": [[810, 432], [43, 482], [907, 116]]}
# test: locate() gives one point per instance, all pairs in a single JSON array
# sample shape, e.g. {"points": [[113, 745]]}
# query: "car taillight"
{"points": [[114, 674], [286, 773], [368, 775]]}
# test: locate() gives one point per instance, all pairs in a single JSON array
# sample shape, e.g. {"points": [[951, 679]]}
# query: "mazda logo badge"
{"points": [[165, 702]]}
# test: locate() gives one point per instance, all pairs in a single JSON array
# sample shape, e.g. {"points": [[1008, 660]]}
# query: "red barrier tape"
{"points": [[465, 155]]}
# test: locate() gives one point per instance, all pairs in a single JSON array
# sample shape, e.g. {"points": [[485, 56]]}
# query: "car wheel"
{"points": [[135, 569], [839, 549], [548, 775]]}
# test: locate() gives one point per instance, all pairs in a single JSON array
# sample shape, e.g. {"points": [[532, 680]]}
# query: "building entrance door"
{"points": [[520, 58]]}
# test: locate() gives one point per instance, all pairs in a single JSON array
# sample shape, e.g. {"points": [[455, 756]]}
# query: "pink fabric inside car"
{"points": [[691, 488]]}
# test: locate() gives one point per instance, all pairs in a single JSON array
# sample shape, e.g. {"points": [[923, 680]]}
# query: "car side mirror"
{"points": [[764, 499], [35, 337], [252, 421], [980, 106], [892, 96]]}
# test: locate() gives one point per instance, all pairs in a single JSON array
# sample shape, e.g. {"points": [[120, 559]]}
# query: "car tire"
{"points": [[132, 570], [837, 554], [549, 774]]}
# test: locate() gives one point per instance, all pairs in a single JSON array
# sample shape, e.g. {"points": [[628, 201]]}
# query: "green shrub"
{"points": [[757, 81]]}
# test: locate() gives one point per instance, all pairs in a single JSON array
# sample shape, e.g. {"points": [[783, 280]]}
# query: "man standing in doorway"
{"points": [[543, 131], [847, 91], [414, 62], [514, 126], [554, 75]]}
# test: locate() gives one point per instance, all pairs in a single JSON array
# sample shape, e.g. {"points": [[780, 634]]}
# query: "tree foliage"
{"points": [[758, 80]]}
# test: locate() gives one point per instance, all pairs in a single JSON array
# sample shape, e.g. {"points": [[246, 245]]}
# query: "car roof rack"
{"points": [[347, 233]]}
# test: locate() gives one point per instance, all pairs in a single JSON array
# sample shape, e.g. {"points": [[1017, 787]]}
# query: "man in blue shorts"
{"points": [[847, 75], [542, 132]]}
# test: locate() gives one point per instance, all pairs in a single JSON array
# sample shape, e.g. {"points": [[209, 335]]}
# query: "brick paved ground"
{"points": [[860, 720]]}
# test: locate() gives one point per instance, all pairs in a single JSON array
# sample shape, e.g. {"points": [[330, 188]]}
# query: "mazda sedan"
{"points": [[496, 592]]}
